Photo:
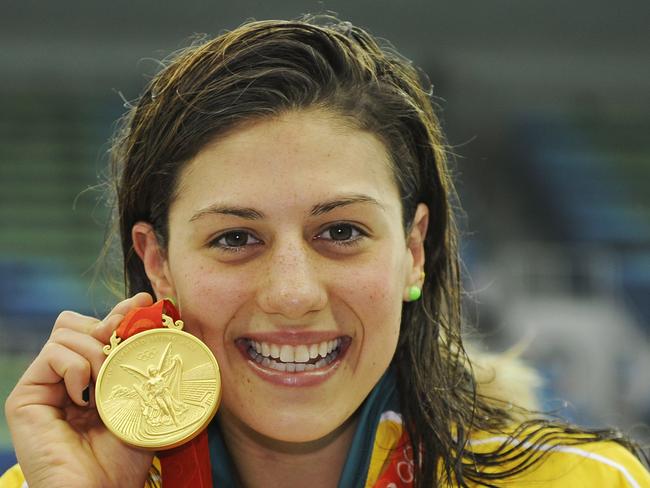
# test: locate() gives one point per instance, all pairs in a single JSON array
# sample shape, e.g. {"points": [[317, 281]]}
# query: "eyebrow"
{"points": [[328, 206], [253, 214]]}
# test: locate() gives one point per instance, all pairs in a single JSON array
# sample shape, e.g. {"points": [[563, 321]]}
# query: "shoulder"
{"points": [[564, 460]]}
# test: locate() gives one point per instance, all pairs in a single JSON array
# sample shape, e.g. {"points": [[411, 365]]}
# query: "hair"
{"points": [[266, 68]]}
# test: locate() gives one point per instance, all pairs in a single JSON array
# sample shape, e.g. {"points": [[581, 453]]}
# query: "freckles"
{"points": [[378, 290], [367, 286], [204, 290], [237, 295], [375, 296]]}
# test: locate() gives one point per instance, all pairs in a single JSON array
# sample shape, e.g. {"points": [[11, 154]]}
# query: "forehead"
{"points": [[289, 159]]}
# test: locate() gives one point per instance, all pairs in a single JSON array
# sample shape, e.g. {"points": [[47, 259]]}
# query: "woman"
{"points": [[286, 184]]}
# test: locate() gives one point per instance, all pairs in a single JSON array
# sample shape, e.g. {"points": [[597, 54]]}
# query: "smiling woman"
{"points": [[319, 206], [286, 184]]}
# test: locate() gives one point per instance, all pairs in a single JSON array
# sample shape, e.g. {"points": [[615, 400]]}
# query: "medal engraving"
{"points": [[158, 389]]}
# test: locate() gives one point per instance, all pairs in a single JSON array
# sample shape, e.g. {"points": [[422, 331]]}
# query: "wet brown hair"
{"points": [[263, 69]]}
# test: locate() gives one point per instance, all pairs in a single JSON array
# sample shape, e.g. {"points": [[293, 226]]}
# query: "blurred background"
{"points": [[545, 105]]}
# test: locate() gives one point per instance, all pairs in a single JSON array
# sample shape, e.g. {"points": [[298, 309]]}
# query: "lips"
{"points": [[295, 358]]}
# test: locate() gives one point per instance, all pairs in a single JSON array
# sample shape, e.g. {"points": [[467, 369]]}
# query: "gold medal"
{"points": [[158, 388]]}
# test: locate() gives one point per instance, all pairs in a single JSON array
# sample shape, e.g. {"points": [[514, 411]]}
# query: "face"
{"points": [[288, 258]]}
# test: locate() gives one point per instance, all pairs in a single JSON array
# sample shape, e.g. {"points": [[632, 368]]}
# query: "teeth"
{"points": [[294, 358], [286, 354], [279, 366], [301, 354]]}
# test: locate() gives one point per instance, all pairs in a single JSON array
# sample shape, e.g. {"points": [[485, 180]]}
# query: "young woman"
{"points": [[286, 185]]}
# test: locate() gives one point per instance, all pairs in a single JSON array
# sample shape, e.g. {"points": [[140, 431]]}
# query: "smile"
{"points": [[294, 364], [295, 359]]}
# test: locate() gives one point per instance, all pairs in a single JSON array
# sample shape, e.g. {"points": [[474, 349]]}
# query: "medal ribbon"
{"points": [[399, 471], [186, 466]]}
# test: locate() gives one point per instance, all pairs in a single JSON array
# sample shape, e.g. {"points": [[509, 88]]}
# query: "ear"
{"points": [[415, 245], [145, 244]]}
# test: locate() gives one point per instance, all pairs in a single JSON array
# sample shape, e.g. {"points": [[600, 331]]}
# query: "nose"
{"points": [[292, 284]]}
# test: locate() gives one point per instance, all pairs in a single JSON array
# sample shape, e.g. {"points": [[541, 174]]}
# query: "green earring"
{"points": [[415, 292]]}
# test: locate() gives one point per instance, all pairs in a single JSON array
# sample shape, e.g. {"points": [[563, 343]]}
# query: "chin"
{"points": [[294, 427], [305, 435]]}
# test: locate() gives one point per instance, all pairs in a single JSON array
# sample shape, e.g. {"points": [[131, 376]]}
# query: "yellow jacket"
{"points": [[595, 464]]}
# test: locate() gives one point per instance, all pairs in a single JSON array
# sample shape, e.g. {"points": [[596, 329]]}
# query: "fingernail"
{"points": [[85, 395]]}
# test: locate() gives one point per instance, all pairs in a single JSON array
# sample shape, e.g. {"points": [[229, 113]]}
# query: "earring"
{"points": [[414, 292]]}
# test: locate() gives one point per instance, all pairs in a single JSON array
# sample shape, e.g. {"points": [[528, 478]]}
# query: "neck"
{"points": [[261, 461]]}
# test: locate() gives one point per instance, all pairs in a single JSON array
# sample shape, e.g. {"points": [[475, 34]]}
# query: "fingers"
{"points": [[73, 354], [40, 383], [102, 331], [73, 368], [86, 346], [91, 325], [75, 321], [142, 299], [69, 355]]}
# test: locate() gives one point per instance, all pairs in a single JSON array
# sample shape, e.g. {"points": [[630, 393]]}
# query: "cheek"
{"points": [[379, 285], [378, 278], [208, 298], [374, 295]]}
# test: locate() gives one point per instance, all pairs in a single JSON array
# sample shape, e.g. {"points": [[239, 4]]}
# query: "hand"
{"points": [[59, 438]]}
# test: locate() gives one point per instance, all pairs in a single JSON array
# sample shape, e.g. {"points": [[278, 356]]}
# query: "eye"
{"points": [[234, 240], [342, 234]]}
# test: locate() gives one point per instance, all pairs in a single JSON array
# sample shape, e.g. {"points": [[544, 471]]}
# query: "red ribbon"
{"points": [[399, 471], [186, 466]]}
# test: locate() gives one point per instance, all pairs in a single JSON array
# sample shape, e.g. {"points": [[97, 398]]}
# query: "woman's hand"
{"points": [[59, 438]]}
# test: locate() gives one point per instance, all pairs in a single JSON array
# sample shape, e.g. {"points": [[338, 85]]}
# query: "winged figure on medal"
{"points": [[162, 400], [159, 390]]}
